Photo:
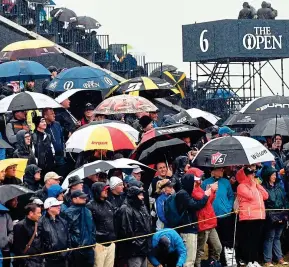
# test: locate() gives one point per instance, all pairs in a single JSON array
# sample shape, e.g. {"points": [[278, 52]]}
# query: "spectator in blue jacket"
{"points": [[57, 192], [168, 249]]}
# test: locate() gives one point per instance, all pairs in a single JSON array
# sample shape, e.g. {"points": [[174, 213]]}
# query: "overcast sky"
{"points": [[154, 27]]}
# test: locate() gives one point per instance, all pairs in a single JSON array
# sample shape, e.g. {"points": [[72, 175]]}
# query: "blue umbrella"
{"points": [[22, 70], [82, 78]]}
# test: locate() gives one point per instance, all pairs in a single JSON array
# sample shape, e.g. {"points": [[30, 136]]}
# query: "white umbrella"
{"points": [[95, 167], [133, 162], [27, 101]]}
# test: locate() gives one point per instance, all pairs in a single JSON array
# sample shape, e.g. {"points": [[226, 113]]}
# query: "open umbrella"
{"points": [[269, 127], [21, 165], [145, 87], [87, 23], [125, 104], [232, 150], [99, 137], [164, 150], [28, 49], [197, 117], [4, 144], [62, 14], [158, 72], [27, 101], [22, 70], [10, 191], [43, 2], [82, 78], [243, 121]]}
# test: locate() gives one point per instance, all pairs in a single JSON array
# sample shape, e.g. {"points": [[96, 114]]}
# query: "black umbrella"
{"points": [[87, 23], [269, 127], [242, 120], [4, 144], [164, 151], [63, 14], [10, 191], [158, 72], [43, 2], [232, 150]]}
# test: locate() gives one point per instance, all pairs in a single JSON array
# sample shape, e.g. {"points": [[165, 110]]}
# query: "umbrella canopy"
{"points": [[269, 127], [242, 120], [178, 79], [82, 78], [87, 23], [158, 72], [43, 2], [4, 144], [125, 104], [20, 169], [10, 191], [197, 117], [29, 48], [63, 14], [99, 137], [27, 101], [164, 150], [145, 87], [95, 167], [232, 150], [22, 70], [134, 162]]}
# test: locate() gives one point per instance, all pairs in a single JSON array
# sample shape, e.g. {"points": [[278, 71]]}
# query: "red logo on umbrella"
{"points": [[218, 158]]}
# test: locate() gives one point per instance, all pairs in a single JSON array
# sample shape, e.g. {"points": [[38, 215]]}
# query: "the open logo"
{"points": [[218, 158]]}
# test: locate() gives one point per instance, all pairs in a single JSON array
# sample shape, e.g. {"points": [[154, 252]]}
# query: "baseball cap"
{"points": [[78, 193], [225, 130], [137, 169], [89, 106], [52, 175], [51, 202], [37, 201]]}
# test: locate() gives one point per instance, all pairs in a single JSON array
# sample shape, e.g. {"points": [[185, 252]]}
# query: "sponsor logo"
{"points": [[68, 85], [98, 143], [181, 120], [246, 119], [53, 85], [175, 130], [90, 84], [272, 105], [259, 154], [108, 81], [218, 158]]}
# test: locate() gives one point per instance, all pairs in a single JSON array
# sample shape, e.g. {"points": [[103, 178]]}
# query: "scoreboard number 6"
{"points": [[204, 43]]}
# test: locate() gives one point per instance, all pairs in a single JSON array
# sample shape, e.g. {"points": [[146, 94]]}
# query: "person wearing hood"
{"points": [[134, 220], [265, 12], [103, 216], [251, 196], [24, 147], [180, 167], [146, 124], [116, 195], [81, 229], [10, 177], [247, 12], [57, 192], [32, 176], [275, 220], [188, 206], [168, 249]]}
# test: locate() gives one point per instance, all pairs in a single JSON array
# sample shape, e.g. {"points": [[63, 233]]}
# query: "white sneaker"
{"points": [[250, 264], [256, 264]]}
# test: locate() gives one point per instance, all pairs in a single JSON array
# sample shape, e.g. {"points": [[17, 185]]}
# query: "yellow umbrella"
{"points": [[29, 44], [21, 166]]}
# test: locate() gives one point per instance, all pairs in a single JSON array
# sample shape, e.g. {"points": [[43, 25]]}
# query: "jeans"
{"points": [[272, 242]]}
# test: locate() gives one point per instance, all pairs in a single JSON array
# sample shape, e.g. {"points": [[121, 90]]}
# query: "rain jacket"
{"points": [[6, 229], [13, 127], [176, 245], [206, 212], [188, 206], [132, 220], [81, 229], [12, 180], [22, 150], [116, 200], [179, 165], [160, 202], [42, 194], [66, 122], [251, 198], [29, 180], [103, 215], [54, 191], [225, 197], [87, 185], [54, 236]]}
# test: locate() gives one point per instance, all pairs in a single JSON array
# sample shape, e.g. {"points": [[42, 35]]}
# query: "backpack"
{"points": [[171, 212]]}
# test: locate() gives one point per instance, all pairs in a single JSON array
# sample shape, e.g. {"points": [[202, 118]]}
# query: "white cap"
{"points": [[51, 202], [114, 182], [137, 170], [37, 201]]}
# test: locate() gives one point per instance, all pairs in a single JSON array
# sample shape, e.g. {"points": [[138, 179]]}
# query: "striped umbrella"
{"points": [[145, 87], [99, 137]]}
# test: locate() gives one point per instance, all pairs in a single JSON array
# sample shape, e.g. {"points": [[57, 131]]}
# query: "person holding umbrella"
{"points": [[88, 114]]}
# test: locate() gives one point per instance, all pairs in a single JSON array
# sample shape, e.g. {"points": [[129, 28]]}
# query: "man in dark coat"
{"points": [[10, 177], [247, 12], [74, 184], [265, 12], [81, 229], [134, 220], [31, 178], [54, 233], [23, 232], [103, 216]]}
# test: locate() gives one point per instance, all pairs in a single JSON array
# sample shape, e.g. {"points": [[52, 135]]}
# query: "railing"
{"points": [[151, 66]]}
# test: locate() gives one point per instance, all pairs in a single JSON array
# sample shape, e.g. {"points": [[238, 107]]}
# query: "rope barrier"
{"points": [[131, 238]]}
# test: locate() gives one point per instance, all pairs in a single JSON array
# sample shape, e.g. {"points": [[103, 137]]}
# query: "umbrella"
{"points": [[125, 104], [145, 87], [242, 120], [134, 162], [87, 23], [177, 78], [232, 150], [10, 191], [196, 117], [79, 98], [4, 144], [82, 78], [269, 127], [158, 72], [95, 167], [22, 70], [29, 48], [21, 165], [133, 133], [99, 137], [164, 150], [43, 2], [27, 101], [63, 14]]}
